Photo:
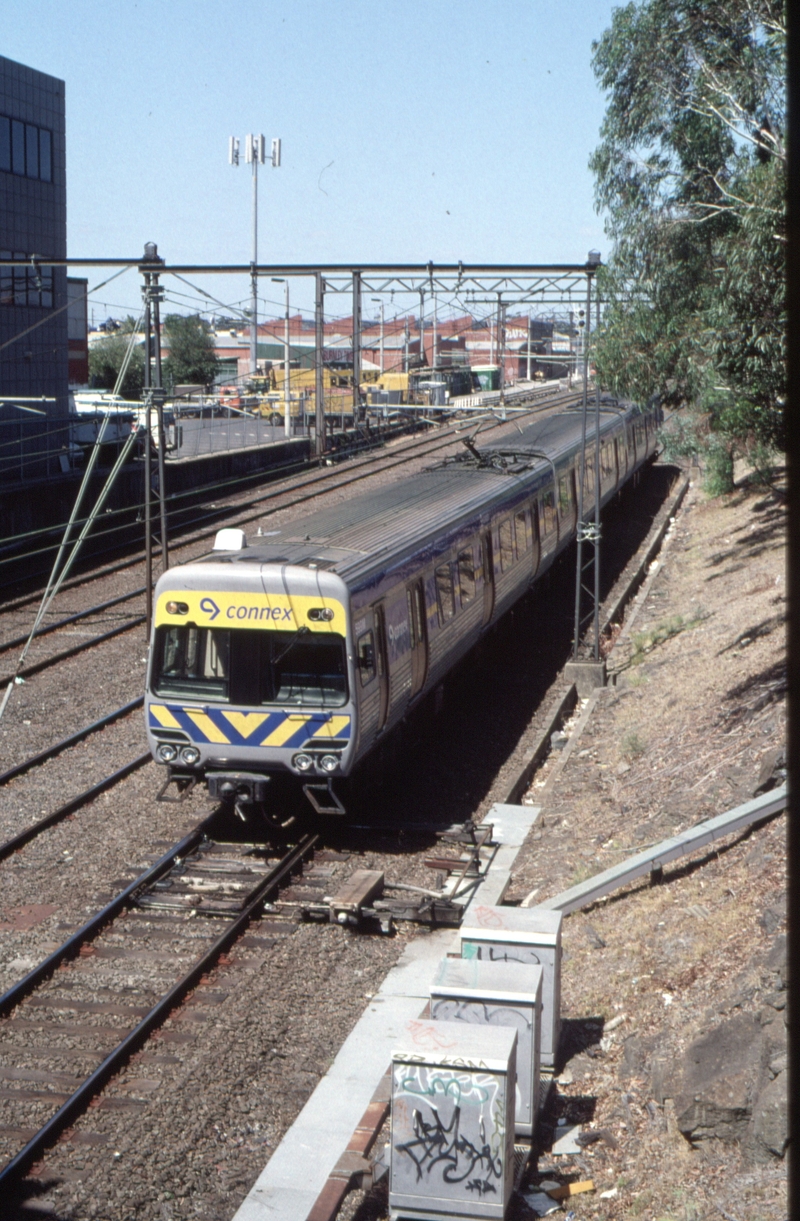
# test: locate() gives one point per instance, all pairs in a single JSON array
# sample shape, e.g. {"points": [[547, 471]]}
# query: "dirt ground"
{"points": [[692, 724]]}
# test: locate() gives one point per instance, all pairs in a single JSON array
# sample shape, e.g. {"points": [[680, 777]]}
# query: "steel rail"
{"points": [[84, 614], [37, 666], [56, 816], [77, 1101], [20, 768], [10, 999]]}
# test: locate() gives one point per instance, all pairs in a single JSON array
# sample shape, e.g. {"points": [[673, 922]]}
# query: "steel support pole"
{"points": [[596, 474], [254, 275], [422, 328], [528, 368], [356, 347], [162, 440], [501, 340], [382, 338], [287, 393], [148, 537], [579, 532], [319, 376], [435, 355]]}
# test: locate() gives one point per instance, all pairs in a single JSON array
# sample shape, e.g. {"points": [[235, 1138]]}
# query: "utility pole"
{"points": [[356, 347], [406, 341], [319, 376], [255, 153], [422, 328], [435, 357], [530, 333]]}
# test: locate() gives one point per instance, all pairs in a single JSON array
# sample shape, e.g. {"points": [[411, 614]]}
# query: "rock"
{"points": [[714, 1084], [771, 1119], [773, 915], [776, 959]]}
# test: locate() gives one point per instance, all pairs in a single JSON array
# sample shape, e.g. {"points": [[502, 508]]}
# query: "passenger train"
{"points": [[292, 658]]}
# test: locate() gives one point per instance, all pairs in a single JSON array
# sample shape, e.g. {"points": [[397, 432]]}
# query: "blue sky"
{"points": [[411, 130]]}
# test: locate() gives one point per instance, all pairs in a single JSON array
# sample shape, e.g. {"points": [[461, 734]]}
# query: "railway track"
{"points": [[65, 1035]]}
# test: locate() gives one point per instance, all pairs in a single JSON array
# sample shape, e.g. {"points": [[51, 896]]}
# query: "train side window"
{"points": [[466, 576], [564, 496], [412, 635], [365, 651], [444, 593], [607, 462], [506, 536], [588, 477], [548, 513], [522, 531]]}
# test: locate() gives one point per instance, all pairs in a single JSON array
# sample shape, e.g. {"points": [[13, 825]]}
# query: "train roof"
{"points": [[377, 530]]}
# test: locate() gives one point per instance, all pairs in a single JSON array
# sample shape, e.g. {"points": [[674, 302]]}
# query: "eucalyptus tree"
{"points": [[691, 175]]}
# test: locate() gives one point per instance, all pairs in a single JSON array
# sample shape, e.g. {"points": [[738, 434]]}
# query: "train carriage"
{"points": [[295, 657]]}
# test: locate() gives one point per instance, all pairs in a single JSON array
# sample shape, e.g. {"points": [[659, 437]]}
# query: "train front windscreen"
{"points": [[292, 669]]}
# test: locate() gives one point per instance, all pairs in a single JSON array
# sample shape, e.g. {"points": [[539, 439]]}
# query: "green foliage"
{"points": [[191, 357], [106, 358], [645, 642], [691, 173], [632, 746]]}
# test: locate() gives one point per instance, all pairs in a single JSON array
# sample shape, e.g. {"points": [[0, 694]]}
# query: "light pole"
{"points": [[254, 152], [287, 398]]}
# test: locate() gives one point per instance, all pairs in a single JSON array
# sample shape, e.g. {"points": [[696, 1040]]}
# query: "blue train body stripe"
{"points": [[219, 727]]}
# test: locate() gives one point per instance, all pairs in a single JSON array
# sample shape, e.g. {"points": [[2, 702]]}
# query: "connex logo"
{"points": [[209, 607]]}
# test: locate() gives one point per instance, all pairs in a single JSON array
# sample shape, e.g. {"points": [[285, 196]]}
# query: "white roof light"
{"points": [[230, 540]]}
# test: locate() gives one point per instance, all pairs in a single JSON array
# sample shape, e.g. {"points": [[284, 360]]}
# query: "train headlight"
{"points": [[329, 763], [177, 608], [302, 762], [167, 752], [190, 755]]}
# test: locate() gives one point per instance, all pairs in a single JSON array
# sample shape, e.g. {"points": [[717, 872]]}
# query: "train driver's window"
{"points": [[564, 496], [506, 533], [192, 662], [365, 650], [522, 531], [444, 593], [466, 576]]}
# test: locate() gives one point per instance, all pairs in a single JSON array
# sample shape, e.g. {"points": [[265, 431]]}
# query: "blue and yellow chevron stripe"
{"points": [[231, 728]]}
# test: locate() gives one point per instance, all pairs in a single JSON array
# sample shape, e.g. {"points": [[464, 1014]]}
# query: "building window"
{"points": [[26, 285], [26, 149]]}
